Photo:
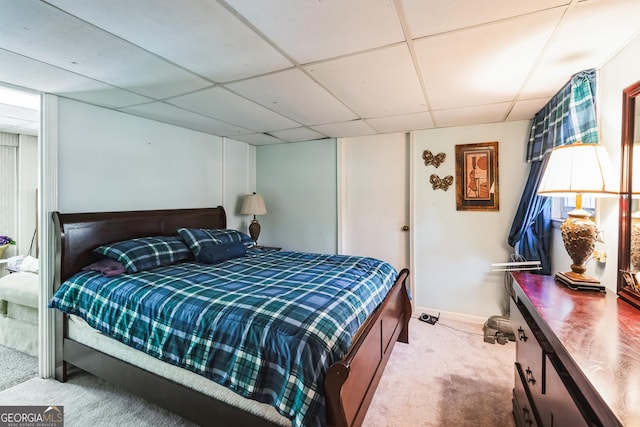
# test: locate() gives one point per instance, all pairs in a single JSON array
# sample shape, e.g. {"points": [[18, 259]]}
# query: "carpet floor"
{"points": [[16, 367], [446, 376]]}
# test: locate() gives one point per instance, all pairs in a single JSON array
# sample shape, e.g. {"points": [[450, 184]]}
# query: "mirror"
{"points": [[629, 237]]}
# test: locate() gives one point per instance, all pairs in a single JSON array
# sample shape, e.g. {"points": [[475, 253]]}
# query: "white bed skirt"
{"points": [[81, 332]]}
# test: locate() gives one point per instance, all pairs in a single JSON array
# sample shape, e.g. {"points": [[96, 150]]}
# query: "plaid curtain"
{"points": [[570, 116], [530, 234]]}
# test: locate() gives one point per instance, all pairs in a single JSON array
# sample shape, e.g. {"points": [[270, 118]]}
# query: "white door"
{"points": [[374, 197]]}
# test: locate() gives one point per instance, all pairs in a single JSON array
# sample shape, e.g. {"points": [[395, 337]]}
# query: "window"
{"points": [[561, 206]]}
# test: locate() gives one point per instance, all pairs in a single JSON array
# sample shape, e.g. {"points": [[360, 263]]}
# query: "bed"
{"points": [[347, 385], [19, 312]]}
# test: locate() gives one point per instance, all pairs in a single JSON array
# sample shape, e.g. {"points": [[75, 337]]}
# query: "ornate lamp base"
{"points": [[579, 236], [254, 230]]}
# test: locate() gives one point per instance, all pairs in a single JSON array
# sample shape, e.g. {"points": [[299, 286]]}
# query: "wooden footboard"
{"points": [[350, 384]]}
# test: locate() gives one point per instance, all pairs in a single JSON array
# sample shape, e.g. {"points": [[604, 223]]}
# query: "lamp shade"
{"points": [[578, 168], [253, 205], [575, 170]]}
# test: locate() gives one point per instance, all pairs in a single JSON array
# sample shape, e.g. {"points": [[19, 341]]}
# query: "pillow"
{"points": [[107, 266], [215, 253], [198, 238], [146, 253], [228, 236]]}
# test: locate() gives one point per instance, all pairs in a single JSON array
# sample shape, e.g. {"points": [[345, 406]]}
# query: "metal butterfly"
{"points": [[442, 183], [430, 159]]}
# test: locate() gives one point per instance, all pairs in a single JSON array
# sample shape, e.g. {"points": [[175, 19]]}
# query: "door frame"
{"points": [[48, 203]]}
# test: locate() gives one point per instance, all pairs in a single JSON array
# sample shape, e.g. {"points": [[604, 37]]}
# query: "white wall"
{"points": [[239, 164], [110, 161], [453, 250], [299, 184]]}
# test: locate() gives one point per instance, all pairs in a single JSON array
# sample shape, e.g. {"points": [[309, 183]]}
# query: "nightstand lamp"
{"points": [[253, 205], [578, 169]]}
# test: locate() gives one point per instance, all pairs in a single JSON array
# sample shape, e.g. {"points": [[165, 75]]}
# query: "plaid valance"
{"points": [[569, 116]]}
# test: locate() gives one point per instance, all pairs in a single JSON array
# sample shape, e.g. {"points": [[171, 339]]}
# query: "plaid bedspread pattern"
{"points": [[267, 325]]}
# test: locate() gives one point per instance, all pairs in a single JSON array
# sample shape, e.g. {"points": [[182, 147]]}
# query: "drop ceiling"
{"points": [[276, 71]]}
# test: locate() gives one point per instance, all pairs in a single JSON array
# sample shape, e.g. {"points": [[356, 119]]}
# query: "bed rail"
{"points": [[348, 396]]}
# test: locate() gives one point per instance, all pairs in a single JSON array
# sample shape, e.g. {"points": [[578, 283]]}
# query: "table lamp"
{"points": [[253, 205], [578, 169]]}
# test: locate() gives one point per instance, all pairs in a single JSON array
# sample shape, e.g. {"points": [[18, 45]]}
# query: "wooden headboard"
{"points": [[78, 234]]}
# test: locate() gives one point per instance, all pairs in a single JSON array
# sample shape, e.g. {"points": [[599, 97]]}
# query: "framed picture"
{"points": [[630, 280], [477, 177]]}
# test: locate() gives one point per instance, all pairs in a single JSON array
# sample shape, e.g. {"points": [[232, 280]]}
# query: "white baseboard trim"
{"points": [[449, 315]]}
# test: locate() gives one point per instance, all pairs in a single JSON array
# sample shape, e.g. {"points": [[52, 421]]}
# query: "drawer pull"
{"points": [[530, 378], [521, 335], [526, 414]]}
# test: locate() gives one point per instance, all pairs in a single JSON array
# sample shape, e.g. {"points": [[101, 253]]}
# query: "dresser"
{"points": [[577, 356]]}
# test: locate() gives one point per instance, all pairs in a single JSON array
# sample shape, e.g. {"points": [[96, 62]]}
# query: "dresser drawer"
{"points": [[529, 353], [562, 409], [524, 410]]}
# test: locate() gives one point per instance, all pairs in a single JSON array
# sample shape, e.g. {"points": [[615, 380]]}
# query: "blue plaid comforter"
{"points": [[267, 325]]}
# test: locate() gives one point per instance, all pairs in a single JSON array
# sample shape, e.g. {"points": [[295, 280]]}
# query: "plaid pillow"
{"points": [[213, 254], [197, 239], [146, 253], [230, 236]]}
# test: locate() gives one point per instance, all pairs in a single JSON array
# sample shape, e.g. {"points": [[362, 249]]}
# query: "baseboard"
{"points": [[449, 315]]}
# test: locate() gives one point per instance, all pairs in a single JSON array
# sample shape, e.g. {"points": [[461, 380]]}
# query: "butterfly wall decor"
{"points": [[441, 183], [430, 159]]}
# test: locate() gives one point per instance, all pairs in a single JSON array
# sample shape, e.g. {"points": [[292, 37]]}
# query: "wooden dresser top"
{"points": [[597, 337]]}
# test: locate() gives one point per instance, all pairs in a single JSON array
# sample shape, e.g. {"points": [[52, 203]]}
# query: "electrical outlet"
{"points": [[600, 256]]}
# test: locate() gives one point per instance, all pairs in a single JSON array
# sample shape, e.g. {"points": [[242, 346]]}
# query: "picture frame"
{"points": [[477, 177], [630, 281]]}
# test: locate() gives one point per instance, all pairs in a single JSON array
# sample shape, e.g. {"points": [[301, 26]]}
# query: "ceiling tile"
{"points": [[302, 70], [28, 73], [373, 84], [27, 129], [428, 17], [228, 107], [8, 121], [527, 109], [315, 30], [258, 139], [281, 92], [23, 114], [483, 65], [38, 30], [471, 115], [166, 113], [346, 129], [584, 41], [297, 134], [401, 123], [199, 35]]}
